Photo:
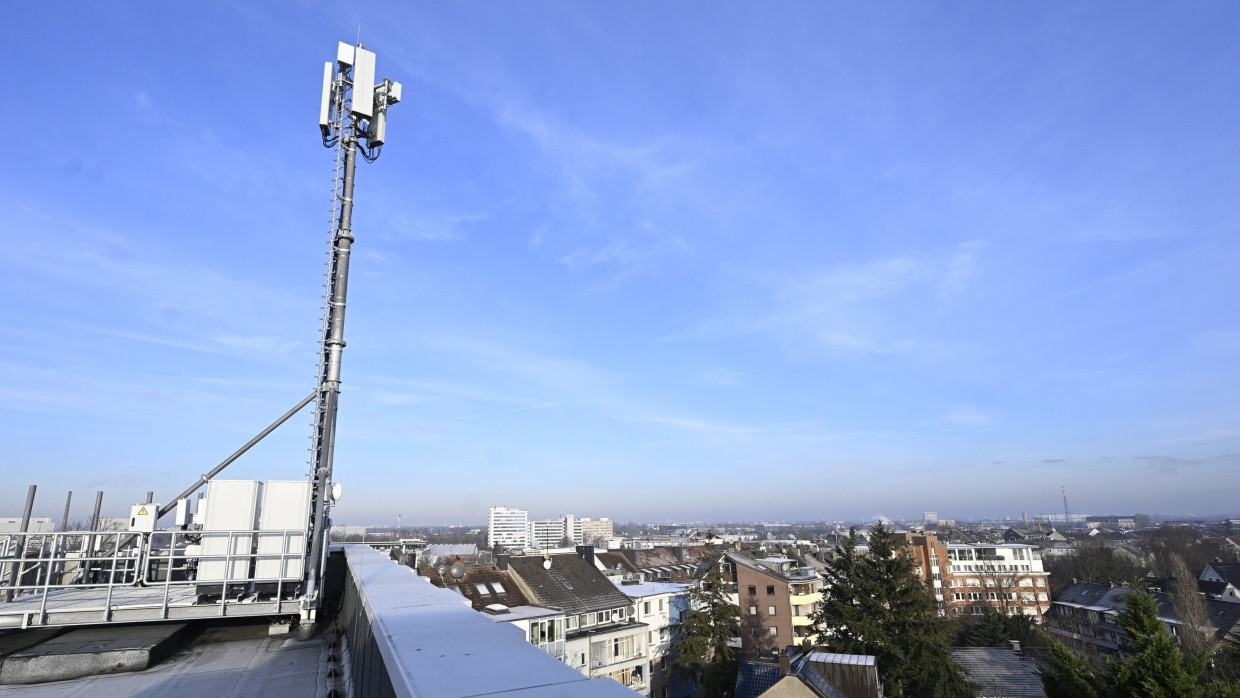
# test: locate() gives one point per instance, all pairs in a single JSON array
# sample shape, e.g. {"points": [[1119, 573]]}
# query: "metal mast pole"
{"points": [[353, 108]]}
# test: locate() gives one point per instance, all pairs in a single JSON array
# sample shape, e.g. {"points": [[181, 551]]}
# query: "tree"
{"points": [[1196, 632], [994, 629], [1093, 563], [1152, 666], [700, 639], [1064, 675], [875, 604]]}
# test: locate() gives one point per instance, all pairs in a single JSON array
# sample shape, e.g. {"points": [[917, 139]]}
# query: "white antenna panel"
{"points": [[325, 122], [364, 84], [344, 54]]}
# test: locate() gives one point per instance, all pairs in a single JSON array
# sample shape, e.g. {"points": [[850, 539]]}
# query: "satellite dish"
{"points": [[457, 570], [442, 569], [547, 564], [336, 492]]}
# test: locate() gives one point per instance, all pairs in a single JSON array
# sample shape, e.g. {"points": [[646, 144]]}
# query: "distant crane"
{"points": [[1064, 490]]}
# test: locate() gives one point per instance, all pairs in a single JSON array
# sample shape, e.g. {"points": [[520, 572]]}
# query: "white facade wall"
{"points": [[572, 528], [592, 529], [508, 528], [546, 534]]}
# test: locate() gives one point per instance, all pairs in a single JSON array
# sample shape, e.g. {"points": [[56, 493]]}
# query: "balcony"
{"points": [[805, 599]]}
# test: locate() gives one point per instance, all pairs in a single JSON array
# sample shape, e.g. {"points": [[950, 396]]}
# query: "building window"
{"points": [[482, 589], [754, 632], [646, 608], [753, 610], [774, 631], [660, 605], [770, 610], [752, 590], [770, 590]]}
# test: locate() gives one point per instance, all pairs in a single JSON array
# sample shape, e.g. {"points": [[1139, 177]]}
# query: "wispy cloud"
{"points": [[850, 309]]}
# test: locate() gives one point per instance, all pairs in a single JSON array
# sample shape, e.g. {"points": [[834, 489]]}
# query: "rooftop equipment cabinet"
{"points": [[282, 523], [228, 523]]}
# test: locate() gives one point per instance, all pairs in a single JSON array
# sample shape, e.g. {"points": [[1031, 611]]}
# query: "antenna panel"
{"points": [[364, 83], [344, 54], [325, 106]]}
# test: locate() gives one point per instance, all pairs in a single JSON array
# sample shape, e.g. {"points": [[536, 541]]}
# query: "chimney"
{"points": [[785, 665], [501, 561], [586, 552], [1015, 645]]}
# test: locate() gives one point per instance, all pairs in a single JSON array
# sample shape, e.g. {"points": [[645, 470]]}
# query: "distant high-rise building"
{"points": [[572, 528], [594, 529], [508, 528], [930, 518], [547, 534]]}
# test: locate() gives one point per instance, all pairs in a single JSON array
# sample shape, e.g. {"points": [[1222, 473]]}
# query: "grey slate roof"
{"points": [[571, 584], [1101, 597], [1001, 672], [1229, 571], [756, 677]]}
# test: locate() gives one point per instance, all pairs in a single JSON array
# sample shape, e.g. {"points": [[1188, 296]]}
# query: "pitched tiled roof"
{"points": [[570, 584], [498, 586], [1229, 571], [613, 560], [1001, 672]]}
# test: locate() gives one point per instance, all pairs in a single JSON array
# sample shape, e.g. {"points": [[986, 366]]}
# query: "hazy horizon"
{"points": [[785, 261]]}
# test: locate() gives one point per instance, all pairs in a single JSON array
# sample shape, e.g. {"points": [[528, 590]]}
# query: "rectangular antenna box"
{"points": [[282, 525], [229, 516]]}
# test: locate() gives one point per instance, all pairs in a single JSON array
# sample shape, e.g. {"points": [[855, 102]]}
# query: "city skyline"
{"points": [[698, 261]]}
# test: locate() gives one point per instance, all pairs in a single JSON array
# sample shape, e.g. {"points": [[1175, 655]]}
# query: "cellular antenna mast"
{"points": [[353, 109]]}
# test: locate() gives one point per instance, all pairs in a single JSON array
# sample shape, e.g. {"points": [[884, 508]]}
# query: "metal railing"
{"points": [[100, 571]]}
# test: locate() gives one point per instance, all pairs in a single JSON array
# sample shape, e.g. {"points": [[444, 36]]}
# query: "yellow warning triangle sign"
{"points": [[142, 511]]}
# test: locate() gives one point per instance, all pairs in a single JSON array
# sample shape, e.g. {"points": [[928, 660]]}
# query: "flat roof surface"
{"points": [[223, 662]]}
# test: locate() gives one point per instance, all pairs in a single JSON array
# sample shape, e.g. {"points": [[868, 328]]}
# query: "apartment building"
{"points": [[1083, 617], [507, 528], [596, 529], [659, 605], [547, 534], [776, 597], [1007, 577], [967, 578], [602, 635]]}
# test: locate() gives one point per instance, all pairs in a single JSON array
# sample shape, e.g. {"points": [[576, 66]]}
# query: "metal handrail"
{"points": [[112, 560]]}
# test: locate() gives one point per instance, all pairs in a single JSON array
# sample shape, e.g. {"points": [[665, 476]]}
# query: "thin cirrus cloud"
{"points": [[850, 309]]}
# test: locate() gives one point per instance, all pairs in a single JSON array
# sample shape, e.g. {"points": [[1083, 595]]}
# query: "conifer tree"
{"points": [[700, 639], [1152, 666], [875, 604]]}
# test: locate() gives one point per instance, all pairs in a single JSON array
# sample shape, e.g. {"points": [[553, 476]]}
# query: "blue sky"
{"points": [[641, 260]]}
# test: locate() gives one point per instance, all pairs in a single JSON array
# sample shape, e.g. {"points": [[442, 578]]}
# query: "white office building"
{"points": [[546, 534], [508, 528]]}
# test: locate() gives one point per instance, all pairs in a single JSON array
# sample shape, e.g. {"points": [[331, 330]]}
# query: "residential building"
{"points": [[1221, 581], [1007, 577], [507, 528], [930, 561], [602, 634], [659, 605], [776, 597], [572, 528], [593, 530], [1083, 617], [547, 534]]}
